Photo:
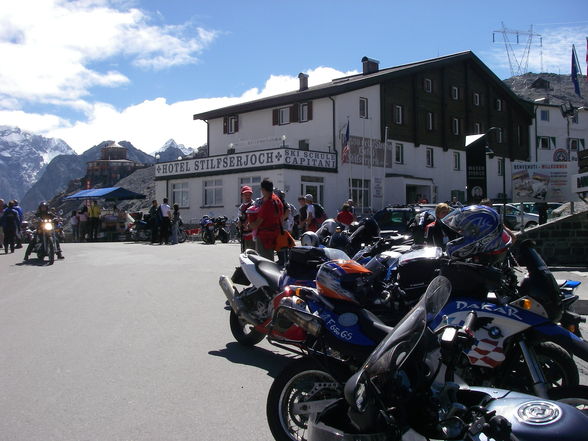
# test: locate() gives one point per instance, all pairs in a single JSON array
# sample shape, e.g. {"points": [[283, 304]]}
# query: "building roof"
{"points": [[346, 84]]}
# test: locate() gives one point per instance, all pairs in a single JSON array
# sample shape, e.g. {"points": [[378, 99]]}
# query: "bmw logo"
{"points": [[538, 413]]}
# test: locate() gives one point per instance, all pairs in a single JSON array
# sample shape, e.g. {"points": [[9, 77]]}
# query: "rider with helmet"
{"points": [[43, 212]]}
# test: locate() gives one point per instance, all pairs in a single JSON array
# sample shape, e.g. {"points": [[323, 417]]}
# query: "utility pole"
{"points": [[518, 65]]}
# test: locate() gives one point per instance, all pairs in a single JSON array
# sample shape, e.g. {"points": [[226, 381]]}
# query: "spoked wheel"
{"points": [[556, 363], [243, 332], [576, 396], [302, 388]]}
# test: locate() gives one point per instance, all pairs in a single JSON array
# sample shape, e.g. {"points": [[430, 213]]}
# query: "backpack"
{"points": [[319, 214]]}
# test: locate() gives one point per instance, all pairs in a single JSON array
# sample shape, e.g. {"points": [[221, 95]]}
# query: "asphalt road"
{"points": [[129, 342]]}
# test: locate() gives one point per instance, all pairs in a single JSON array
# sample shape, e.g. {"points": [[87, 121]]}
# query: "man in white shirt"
{"points": [[310, 213], [165, 213]]}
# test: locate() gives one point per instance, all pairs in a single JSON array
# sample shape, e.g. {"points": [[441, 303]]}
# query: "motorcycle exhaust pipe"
{"points": [[229, 290]]}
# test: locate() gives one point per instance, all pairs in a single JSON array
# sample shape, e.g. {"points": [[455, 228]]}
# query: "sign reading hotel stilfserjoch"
{"points": [[242, 161]]}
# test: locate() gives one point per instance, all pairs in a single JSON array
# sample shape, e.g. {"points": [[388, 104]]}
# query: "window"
{"points": [[254, 182], [500, 166], [455, 126], [398, 114], [359, 191], [231, 124], [544, 115], [213, 192], [284, 115], [543, 142], [399, 154], [575, 118], [428, 85], [476, 99], [303, 112], [499, 105], [313, 185], [180, 194], [456, 161], [430, 157], [454, 93], [430, 121], [363, 108], [499, 136], [477, 128], [303, 144], [574, 143]]}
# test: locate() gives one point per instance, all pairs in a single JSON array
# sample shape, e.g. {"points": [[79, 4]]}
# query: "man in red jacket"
{"points": [[267, 224]]}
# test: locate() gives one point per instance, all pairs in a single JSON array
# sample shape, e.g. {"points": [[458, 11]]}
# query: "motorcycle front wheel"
{"points": [[223, 236], [50, 252], [182, 236], [243, 332], [303, 380]]}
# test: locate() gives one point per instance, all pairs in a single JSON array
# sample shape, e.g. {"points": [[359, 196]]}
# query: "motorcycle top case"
{"points": [[417, 268], [304, 261]]}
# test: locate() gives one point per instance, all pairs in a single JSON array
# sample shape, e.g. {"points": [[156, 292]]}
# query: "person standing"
{"points": [[154, 220], [246, 234], [83, 224], [176, 222], [302, 215], [20, 220], [268, 221], [94, 214], [311, 224], [9, 222], [165, 213], [2, 207], [345, 216], [74, 220]]}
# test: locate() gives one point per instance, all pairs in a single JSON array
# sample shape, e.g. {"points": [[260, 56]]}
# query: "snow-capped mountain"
{"points": [[171, 150], [23, 158]]}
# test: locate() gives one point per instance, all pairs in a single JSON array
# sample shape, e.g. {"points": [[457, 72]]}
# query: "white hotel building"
{"points": [[407, 128]]}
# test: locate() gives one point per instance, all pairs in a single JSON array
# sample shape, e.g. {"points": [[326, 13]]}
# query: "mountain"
{"points": [[556, 89], [171, 150], [62, 169], [23, 159]]}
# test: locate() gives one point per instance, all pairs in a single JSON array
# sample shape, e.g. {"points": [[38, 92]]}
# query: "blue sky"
{"points": [[137, 70]]}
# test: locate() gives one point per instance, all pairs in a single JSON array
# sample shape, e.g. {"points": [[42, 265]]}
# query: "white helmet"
{"points": [[309, 239]]}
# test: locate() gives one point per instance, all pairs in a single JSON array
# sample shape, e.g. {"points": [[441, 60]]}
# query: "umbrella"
{"points": [[109, 193]]}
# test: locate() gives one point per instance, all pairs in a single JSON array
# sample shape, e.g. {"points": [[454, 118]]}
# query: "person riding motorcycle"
{"points": [[43, 212]]}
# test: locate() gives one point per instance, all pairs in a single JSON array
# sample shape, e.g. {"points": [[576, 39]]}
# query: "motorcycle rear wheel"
{"points": [[182, 236], [243, 332], [302, 380]]}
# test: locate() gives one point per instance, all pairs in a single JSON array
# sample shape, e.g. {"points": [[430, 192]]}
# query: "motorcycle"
{"points": [[392, 396], [220, 228], [43, 242], [207, 227]]}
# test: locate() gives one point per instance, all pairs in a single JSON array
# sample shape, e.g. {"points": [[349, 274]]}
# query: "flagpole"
{"points": [[385, 157]]}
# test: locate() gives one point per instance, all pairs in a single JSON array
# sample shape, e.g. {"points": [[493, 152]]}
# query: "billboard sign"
{"points": [[541, 182]]}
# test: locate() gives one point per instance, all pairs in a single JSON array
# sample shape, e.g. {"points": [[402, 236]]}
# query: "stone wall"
{"points": [[562, 241]]}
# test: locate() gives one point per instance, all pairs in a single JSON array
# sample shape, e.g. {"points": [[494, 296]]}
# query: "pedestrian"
{"points": [[83, 224], [154, 221], [352, 208], [18, 209], [9, 222], [74, 220], [2, 207], [345, 216], [268, 221], [165, 226], [287, 221], [176, 223], [302, 215], [435, 234], [246, 234], [315, 213], [94, 218]]}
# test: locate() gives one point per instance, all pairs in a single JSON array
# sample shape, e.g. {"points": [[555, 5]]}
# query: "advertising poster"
{"points": [[541, 182]]}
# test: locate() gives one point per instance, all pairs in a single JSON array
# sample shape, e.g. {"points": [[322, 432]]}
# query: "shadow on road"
{"points": [[272, 362], [33, 262]]}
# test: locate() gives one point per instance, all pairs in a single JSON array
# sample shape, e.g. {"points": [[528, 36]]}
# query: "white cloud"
{"points": [[148, 125], [556, 50], [47, 49]]}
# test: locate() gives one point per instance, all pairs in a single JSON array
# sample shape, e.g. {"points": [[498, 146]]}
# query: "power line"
{"points": [[518, 64]]}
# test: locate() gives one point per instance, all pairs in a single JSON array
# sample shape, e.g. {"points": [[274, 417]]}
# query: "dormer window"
{"points": [[428, 85], [231, 124]]}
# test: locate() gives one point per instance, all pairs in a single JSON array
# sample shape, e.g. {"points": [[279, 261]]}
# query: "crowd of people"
{"points": [[11, 224], [164, 222]]}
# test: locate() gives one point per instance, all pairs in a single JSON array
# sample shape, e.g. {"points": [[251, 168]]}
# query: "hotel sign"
{"points": [[274, 158]]}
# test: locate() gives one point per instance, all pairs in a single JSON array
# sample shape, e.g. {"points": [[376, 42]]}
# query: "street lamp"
{"points": [[283, 141], [179, 158], [157, 157]]}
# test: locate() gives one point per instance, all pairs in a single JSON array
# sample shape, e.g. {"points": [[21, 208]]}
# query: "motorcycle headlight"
{"points": [[48, 226]]}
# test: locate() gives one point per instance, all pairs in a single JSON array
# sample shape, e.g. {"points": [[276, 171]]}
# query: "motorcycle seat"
{"points": [[268, 269]]}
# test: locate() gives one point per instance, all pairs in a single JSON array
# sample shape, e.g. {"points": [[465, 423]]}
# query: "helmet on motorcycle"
{"points": [[344, 280], [479, 229], [371, 226], [309, 239]]}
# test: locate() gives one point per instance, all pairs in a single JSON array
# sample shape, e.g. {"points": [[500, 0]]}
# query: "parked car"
{"points": [[397, 218], [531, 207], [512, 217]]}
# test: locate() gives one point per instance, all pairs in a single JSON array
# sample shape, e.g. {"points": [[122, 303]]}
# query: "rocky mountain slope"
{"points": [[24, 157], [556, 89]]}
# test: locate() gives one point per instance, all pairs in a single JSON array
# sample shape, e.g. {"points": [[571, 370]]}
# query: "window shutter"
{"points": [[236, 123], [294, 113], [276, 117], [225, 124], [309, 110]]}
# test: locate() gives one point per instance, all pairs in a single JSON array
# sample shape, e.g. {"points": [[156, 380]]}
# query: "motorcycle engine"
{"points": [[257, 301]]}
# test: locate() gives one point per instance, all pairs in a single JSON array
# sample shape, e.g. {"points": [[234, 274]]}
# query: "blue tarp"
{"points": [[109, 193]]}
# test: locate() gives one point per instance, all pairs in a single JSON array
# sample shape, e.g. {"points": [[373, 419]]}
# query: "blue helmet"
{"points": [[479, 229]]}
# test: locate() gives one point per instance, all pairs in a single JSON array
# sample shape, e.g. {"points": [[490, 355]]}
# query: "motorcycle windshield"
{"points": [[395, 349]]}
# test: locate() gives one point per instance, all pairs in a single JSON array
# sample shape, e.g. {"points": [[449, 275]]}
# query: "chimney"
{"points": [[370, 65], [303, 81]]}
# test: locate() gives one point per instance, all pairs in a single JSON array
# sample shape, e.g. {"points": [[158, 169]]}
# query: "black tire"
{"points": [[182, 236], [223, 236], [243, 332], [28, 251], [302, 380], [208, 237], [557, 365], [576, 396], [50, 252]]}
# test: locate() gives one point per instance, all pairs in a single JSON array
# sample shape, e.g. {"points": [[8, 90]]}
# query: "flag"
{"points": [[575, 71], [346, 148]]}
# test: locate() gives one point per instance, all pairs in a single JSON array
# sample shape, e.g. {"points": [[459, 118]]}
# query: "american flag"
{"points": [[346, 149]]}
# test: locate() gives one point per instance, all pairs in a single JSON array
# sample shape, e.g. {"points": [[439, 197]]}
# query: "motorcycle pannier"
{"points": [[303, 262]]}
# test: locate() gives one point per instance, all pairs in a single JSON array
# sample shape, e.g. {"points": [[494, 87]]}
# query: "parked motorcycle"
{"points": [[399, 392], [43, 242], [207, 227], [220, 229]]}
